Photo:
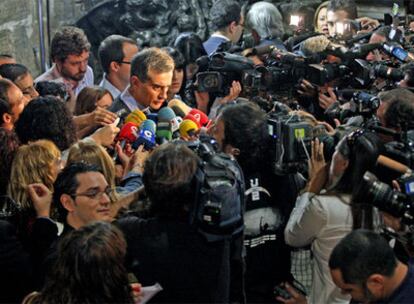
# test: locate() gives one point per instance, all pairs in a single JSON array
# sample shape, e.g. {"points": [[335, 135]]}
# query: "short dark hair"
{"points": [[179, 61], [89, 268], [361, 254], [111, 49], [46, 118], [52, 88], [4, 108], [349, 6], [13, 71], [9, 143], [5, 85], [153, 59], [224, 12], [68, 40], [400, 110], [67, 183], [383, 31], [190, 46], [245, 128], [168, 179]]}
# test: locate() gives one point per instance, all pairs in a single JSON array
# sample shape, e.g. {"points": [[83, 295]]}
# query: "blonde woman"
{"points": [[36, 162]]}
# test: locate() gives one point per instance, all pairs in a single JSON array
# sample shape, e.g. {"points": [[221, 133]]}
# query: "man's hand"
{"points": [[326, 100], [368, 24], [307, 89], [296, 297], [136, 163], [41, 198], [235, 91]]}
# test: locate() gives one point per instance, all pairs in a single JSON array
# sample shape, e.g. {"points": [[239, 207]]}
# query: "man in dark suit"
{"points": [[227, 21], [151, 76]]}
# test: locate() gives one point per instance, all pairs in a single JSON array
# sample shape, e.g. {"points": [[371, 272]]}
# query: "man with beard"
{"points": [[69, 51]]}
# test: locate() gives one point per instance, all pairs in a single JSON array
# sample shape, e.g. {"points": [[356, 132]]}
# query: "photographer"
{"points": [[323, 218], [241, 131]]}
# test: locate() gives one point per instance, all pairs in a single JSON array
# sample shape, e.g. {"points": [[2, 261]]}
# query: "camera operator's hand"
{"points": [[41, 198], [296, 297], [326, 100], [307, 89], [318, 169], [105, 136], [367, 24], [235, 91]]}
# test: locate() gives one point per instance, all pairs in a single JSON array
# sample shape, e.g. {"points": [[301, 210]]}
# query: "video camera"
{"points": [[379, 194], [291, 137]]}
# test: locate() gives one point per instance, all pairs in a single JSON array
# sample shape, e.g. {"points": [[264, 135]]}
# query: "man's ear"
{"points": [[135, 81], [7, 118], [67, 202], [114, 66], [375, 284], [232, 27]]}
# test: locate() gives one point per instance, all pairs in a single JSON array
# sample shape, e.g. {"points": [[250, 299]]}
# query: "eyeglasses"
{"points": [[126, 62], [95, 194]]}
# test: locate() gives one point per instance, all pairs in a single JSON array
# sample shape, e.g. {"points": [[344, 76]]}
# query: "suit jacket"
{"points": [[212, 44]]}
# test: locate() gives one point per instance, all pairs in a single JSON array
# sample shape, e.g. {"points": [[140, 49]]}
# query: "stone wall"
{"points": [[19, 32]]}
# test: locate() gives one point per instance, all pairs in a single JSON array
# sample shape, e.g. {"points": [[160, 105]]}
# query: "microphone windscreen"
{"points": [[188, 128], [175, 123], [148, 125], [146, 135], [129, 132], [179, 107], [166, 114], [315, 44], [201, 117], [164, 131], [136, 117], [192, 118]]}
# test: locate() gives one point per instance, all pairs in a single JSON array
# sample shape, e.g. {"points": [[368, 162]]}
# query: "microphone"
{"points": [[165, 114], [193, 119], [146, 135], [398, 52], [163, 133], [136, 117], [294, 40], [201, 117], [179, 107], [128, 134], [314, 45], [188, 128]]}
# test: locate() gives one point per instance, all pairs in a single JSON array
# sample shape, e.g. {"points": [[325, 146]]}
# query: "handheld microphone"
{"points": [[398, 52], [193, 119], [201, 117], [163, 133], [166, 114], [146, 135], [128, 134], [179, 107], [136, 117], [188, 128]]}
